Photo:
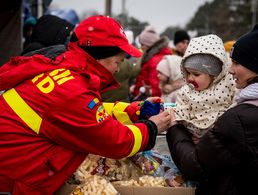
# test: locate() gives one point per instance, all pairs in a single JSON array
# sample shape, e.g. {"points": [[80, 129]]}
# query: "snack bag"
{"points": [[95, 185], [168, 106], [111, 169], [151, 163]]}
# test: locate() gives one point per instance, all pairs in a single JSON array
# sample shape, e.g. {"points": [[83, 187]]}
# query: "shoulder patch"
{"points": [[101, 114], [93, 103]]}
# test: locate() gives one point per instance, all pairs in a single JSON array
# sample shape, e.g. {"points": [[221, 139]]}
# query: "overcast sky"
{"points": [[159, 13]]}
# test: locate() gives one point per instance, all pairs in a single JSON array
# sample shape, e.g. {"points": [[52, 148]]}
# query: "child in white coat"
{"points": [[209, 91], [170, 77]]}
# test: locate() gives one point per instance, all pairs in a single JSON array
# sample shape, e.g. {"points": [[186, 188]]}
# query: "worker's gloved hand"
{"points": [[150, 107]]}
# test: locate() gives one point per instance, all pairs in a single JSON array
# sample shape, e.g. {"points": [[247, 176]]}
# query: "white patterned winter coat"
{"points": [[198, 110]]}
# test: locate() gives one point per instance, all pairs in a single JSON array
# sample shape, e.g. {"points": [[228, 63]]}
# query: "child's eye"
{"points": [[193, 73], [196, 74]]}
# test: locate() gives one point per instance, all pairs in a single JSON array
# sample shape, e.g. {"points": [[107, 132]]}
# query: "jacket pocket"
{"points": [[59, 158], [22, 189]]}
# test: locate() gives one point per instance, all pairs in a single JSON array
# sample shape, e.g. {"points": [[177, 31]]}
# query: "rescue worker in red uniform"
{"points": [[52, 116]]}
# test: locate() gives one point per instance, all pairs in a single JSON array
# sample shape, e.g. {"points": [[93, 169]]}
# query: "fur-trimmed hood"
{"points": [[154, 49]]}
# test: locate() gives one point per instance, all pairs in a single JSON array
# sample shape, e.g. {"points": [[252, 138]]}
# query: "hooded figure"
{"points": [[198, 110], [50, 30], [169, 66]]}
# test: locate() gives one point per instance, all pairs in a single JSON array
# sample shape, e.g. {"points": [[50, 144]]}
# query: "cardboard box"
{"points": [[66, 189], [135, 190]]}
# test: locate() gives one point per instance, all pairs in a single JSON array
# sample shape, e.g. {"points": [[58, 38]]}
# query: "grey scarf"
{"points": [[248, 93]]}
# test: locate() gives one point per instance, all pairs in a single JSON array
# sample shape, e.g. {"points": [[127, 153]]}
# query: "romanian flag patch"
{"points": [[93, 103]]}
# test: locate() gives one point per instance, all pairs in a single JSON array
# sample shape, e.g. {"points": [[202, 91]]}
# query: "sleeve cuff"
{"points": [[153, 131]]}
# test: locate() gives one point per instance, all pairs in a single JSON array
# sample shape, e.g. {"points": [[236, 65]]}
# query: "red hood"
{"points": [[20, 68]]}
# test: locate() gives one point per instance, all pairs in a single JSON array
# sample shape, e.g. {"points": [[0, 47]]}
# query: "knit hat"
{"points": [[181, 35], [163, 67], [205, 63], [104, 31], [51, 30], [148, 36], [31, 21], [245, 50]]}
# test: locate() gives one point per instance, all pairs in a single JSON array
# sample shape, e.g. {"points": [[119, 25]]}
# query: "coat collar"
{"points": [[90, 66]]}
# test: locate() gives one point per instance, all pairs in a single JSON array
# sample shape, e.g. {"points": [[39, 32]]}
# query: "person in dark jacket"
{"points": [[181, 41], [50, 30], [225, 161]]}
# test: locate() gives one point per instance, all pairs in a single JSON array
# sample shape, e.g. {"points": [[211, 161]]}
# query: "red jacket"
{"points": [[51, 117], [148, 75]]}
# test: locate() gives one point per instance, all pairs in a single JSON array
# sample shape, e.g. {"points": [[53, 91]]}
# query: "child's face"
{"points": [[162, 77], [199, 80]]}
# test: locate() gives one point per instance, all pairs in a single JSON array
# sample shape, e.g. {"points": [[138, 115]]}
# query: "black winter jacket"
{"points": [[225, 161]]}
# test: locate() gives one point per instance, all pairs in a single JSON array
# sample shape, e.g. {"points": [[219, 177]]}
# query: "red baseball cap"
{"points": [[104, 31]]}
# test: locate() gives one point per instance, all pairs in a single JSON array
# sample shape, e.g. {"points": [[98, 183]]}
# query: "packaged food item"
{"points": [[95, 174], [168, 106], [146, 180], [110, 169], [95, 185], [151, 162]]}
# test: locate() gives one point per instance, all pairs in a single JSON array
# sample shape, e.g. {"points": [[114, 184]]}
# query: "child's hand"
{"points": [[167, 88], [173, 117]]}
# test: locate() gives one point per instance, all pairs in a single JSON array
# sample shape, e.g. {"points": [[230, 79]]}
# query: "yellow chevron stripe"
{"points": [[120, 115], [137, 139], [108, 108], [23, 110]]}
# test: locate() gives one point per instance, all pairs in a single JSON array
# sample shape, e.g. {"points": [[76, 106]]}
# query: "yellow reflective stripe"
{"points": [[137, 139], [23, 110], [108, 108], [120, 115]]}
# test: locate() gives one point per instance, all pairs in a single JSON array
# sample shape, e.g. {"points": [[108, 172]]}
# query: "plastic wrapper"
{"points": [[146, 180], [155, 164], [95, 174], [151, 163], [95, 185], [110, 169]]}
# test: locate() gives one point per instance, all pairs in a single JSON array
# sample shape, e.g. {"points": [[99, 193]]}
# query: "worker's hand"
{"points": [[150, 107], [155, 100], [162, 121]]}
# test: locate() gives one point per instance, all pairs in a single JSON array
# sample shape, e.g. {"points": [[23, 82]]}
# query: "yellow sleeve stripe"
{"points": [[120, 115], [137, 139], [108, 108], [23, 110]]}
